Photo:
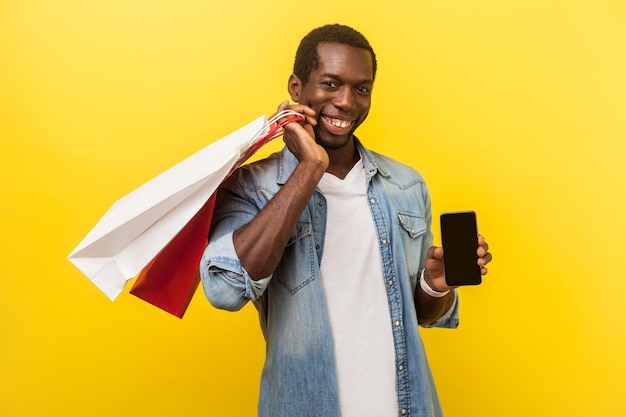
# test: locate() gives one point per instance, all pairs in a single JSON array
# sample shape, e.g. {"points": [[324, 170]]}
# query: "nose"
{"points": [[344, 99]]}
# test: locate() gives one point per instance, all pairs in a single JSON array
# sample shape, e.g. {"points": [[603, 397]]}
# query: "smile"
{"points": [[342, 124]]}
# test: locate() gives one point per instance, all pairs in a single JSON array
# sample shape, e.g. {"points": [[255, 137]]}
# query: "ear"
{"points": [[294, 86]]}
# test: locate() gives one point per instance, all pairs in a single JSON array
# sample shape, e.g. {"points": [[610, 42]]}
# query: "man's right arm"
{"points": [[260, 243], [247, 243]]}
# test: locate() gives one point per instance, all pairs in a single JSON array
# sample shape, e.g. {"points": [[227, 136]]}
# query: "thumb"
{"points": [[309, 129], [435, 252]]}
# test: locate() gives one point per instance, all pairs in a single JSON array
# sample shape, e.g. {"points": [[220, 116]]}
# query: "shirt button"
{"points": [[373, 201], [401, 367], [320, 204], [397, 323], [384, 241], [390, 282], [412, 231], [403, 412], [317, 247]]}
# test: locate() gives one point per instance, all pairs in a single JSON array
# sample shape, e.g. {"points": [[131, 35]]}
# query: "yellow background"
{"points": [[516, 109]]}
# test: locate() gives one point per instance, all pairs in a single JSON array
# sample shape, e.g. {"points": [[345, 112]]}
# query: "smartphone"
{"points": [[459, 238]]}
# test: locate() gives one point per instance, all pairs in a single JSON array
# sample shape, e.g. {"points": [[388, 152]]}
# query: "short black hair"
{"points": [[307, 58]]}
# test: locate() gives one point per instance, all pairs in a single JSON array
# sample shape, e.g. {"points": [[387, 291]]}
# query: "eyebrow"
{"points": [[337, 77]]}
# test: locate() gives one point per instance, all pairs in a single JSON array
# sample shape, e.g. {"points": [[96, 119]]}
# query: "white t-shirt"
{"points": [[353, 281]]}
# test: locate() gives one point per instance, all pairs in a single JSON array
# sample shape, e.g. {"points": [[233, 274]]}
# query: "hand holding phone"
{"points": [[459, 238]]}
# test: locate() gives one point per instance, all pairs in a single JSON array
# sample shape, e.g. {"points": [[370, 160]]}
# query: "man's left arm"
{"points": [[433, 297]]}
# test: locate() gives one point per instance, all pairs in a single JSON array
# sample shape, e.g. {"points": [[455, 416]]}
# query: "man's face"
{"points": [[339, 91]]}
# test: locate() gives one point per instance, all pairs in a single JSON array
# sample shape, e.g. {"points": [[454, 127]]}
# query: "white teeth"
{"points": [[339, 123]]}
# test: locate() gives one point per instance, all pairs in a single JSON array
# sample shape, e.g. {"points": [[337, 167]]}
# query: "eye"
{"points": [[329, 85], [363, 90]]}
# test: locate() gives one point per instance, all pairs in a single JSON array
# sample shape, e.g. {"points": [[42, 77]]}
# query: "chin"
{"points": [[336, 143], [333, 142]]}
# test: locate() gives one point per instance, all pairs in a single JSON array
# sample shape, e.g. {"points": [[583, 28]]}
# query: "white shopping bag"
{"points": [[138, 226]]}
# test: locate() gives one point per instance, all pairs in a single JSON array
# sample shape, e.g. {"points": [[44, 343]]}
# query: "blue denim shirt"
{"points": [[299, 377]]}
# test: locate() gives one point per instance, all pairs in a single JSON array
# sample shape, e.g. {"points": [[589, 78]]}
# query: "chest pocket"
{"points": [[412, 232], [297, 266], [412, 223]]}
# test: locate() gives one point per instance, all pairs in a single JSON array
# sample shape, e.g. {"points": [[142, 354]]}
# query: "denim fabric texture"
{"points": [[299, 377]]}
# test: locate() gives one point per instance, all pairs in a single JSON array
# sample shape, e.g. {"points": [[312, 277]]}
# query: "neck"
{"points": [[342, 160]]}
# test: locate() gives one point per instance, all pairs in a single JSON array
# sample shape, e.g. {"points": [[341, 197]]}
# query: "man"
{"points": [[329, 240]]}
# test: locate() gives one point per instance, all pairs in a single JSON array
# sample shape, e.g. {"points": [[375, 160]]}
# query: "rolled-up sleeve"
{"points": [[227, 285]]}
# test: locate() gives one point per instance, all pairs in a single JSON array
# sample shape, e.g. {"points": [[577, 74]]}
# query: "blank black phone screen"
{"points": [[459, 238]]}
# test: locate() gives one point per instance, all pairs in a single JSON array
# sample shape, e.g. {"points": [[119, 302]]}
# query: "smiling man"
{"points": [[332, 244]]}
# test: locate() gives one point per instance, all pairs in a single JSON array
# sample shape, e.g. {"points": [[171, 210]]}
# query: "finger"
{"points": [[299, 108], [435, 252], [484, 260], [303, 109], [309, 130], [483, 271], [283, 106], [482, 251], [295, 130], [307, 112]]}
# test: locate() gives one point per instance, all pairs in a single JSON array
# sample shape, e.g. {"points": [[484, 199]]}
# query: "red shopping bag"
{"points": [[170, 280]]}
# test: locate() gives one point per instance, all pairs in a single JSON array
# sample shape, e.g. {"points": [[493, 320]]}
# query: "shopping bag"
{"points": [[134, 233], [170, 280]]}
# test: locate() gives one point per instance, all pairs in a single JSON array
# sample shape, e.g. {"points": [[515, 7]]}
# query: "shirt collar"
{"points": [[288, 163]]}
